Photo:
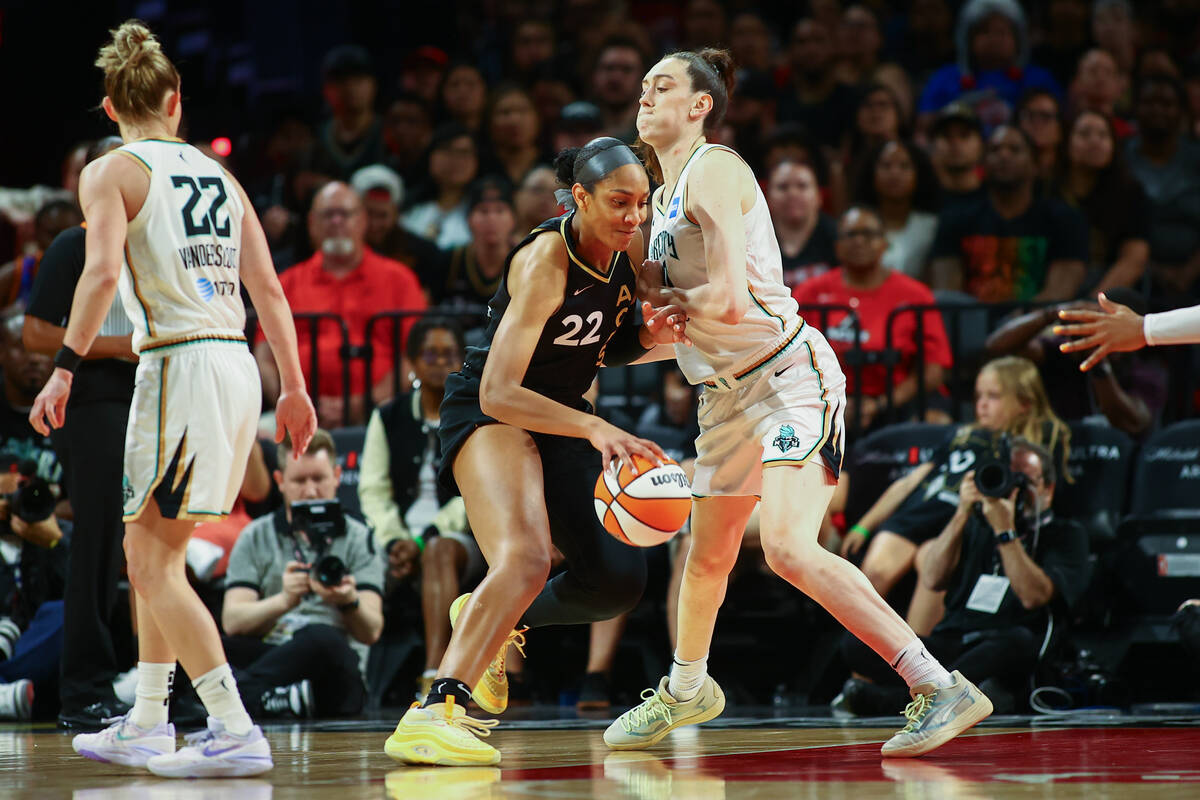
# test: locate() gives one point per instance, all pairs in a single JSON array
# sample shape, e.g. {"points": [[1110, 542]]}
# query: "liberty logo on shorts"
{"points": [[126, 488], [786, 439]]}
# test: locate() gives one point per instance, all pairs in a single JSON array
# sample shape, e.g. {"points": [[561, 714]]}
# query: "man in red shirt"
{"points": [[872, 291], [347, 278]]}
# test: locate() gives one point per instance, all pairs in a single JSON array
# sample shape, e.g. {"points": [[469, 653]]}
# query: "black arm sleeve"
{"points": [[54, 285]]}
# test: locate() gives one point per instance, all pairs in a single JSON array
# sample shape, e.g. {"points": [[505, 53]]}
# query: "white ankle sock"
{"points": [[218, 691], [687, 677], [153, 694], [916, 666]]}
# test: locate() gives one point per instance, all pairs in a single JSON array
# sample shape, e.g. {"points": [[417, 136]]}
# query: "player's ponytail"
{"points": [[137, 74], [711, 71]]}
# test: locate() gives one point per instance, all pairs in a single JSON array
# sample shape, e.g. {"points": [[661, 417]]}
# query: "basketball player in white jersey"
{"points": [[180, 237], [770, 417]]}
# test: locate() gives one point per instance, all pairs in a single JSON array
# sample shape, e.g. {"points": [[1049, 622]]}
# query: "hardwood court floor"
{"points": [[748, 760]]}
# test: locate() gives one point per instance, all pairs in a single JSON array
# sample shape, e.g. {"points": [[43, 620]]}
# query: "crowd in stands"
{"points": [[943, 178]]}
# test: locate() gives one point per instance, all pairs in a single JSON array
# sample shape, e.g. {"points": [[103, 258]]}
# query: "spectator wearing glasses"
{"points": [[1039, 115], [453, 164], [347, 278], [873, 290], [417, 522]]}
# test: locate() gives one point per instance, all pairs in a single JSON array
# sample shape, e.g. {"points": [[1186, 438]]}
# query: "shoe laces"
{"points": [[199, 737], [515, 638], [915, 711], [479, 727], [651, 707]]}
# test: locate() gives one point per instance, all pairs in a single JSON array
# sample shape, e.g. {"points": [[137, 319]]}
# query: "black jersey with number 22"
{"points": [[571, 347]]}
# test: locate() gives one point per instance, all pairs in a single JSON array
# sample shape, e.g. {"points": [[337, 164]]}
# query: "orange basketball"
{"points": [[647, 508]]}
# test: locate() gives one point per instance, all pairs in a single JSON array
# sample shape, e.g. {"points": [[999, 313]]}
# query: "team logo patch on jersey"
{"points": [[673, 212], [206, 288], [786, 439], [126, 489]]}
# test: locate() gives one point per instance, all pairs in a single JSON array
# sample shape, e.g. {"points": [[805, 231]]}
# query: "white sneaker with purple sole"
{"points": [[216, 753], [124, 743]]}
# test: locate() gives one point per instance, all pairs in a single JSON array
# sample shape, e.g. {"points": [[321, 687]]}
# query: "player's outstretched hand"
{"points": [[51, 402], [617, 447], [666, 325], [294, 414], [1113, 329]]}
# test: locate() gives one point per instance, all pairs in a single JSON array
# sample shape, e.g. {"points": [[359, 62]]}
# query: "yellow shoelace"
{"points": [[915, 711], [652, 706], [516, 638], [479, 727]]}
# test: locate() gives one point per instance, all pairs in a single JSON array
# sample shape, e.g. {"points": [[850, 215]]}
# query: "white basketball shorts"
{"points": [[191, 426], [784, 411]]}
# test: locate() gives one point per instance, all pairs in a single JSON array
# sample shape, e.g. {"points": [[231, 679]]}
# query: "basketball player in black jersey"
{"points": [[518, 438]]}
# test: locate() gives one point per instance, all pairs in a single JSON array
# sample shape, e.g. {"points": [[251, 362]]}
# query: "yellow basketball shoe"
{"points": [[442, 734], [491, 691]]}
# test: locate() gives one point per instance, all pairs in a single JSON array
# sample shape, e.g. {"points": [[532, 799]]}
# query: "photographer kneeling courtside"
{"points": [[303, 599], [1005, 561]]}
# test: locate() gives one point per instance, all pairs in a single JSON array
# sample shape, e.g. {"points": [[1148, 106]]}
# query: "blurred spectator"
{"points": [[956, 153], [534, 200], [873, 290], [1003, 563], [617, 84], [1114, 30], [73, 164], [285, 625], [859, 43], [532, 45], [463, 96], [704, 24], [416, 521], [33, 574], [1009, 243], [750, 114], [897, 180], [1039, 115], [992, 70], [1062, 27], [24, 374], [1128, 389], [407, 133], [806, 234], [671, 421], [750, 42], [552, 91], [790, 142], [1154, 61], [353, 138], [578, 123], [1095, 179], [878, 118], [925, 40], [1167, 163], [382, 194], [280, 182], [1098, 86], [16, 277], [473, 272], [1009, 398], [1192, 88], [346, 278], [815, 97], [453, 164], [422, 72], [513, 132]]}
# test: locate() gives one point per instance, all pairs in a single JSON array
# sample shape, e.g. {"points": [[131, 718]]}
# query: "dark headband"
{"points": [[600, 165]]}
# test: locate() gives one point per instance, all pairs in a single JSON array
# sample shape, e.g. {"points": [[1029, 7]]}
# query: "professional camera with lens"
{"points": [[33, 501], [321, 521], [995, 477]]}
